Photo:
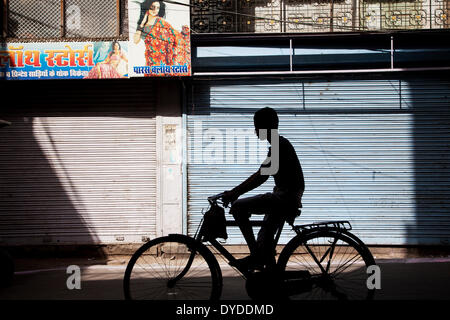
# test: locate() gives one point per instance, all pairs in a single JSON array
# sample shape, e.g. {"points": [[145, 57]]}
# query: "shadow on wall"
{"points": [[430, 102], [60, 167], [395, 138], [32, 194]]}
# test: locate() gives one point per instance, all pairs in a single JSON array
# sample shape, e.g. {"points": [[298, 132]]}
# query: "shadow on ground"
{"points": [[400, 280]]}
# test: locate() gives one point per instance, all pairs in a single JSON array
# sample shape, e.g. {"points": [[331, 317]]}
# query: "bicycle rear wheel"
{"points": [[173, 268], [326, 264]]}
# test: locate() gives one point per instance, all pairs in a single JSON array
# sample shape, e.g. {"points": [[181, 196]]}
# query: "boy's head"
{"points": [[265, 118]]}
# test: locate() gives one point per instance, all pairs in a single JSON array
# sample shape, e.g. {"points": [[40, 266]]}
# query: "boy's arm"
{"points": [[252, 182]]}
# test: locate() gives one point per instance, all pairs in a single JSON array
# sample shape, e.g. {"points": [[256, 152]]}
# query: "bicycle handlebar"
{"points": [[216, 197]]}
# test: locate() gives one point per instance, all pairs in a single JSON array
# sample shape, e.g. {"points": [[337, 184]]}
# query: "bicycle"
{"points": [[323, 260]]}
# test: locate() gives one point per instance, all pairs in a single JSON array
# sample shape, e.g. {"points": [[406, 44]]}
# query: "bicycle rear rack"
{"points": [[339, 225]]}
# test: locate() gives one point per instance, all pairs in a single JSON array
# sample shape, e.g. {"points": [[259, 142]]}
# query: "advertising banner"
{"points": [[159, 38], [64, 60]]}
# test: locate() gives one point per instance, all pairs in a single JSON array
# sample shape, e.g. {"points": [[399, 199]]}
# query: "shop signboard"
{"points": [[63, 60]]}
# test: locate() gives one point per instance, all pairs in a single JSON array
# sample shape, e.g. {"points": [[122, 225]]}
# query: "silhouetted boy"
{"points": [[282, 163]]}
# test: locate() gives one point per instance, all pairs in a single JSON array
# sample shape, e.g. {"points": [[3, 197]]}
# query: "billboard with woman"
{"points": [[159, 38], [63, 60], [110, 61]]}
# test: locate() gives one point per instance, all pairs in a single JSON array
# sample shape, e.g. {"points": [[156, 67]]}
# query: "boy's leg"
{"points": [[242, 209], [266, 237]]}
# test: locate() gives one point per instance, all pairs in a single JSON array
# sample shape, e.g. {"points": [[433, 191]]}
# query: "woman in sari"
{"points": [[163, 44], [108, 68]]}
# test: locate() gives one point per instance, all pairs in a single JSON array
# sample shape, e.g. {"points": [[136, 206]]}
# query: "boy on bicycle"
{"points": [[282, 163]]}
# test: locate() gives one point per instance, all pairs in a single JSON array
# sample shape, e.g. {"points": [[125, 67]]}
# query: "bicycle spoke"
{"points": [[346, 265], [331, 254], [335, 265], [171, 270], [304, 263], [314, 258], [152, 272]]}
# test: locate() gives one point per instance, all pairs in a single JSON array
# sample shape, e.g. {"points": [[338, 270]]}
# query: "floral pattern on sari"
{"points": [[105, 70], [166, 46]]}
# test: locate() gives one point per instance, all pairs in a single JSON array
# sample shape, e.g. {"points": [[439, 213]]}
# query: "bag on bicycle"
{"points": [[214, 225]]}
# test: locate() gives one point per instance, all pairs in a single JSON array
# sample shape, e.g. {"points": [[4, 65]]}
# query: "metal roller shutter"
{"points": [[78, 163], [374, 152]]}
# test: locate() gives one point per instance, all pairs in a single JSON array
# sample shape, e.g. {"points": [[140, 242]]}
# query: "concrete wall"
{"points": [[169, 195]]}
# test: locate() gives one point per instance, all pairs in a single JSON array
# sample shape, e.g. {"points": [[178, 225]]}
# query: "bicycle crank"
{"points": [[264, 285]]}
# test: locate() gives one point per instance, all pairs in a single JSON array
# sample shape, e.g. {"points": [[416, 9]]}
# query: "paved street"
{"points": [[418, 278]]}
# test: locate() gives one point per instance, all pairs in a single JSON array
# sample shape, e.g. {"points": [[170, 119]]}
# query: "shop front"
{"points": [[78, 162], [371, 131]]}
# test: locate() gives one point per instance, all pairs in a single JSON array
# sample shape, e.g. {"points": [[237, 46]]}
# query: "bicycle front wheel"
{"points": [[326, 265], [173, 268]]}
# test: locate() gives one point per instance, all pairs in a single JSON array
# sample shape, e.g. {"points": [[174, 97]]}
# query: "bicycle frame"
{"points": [[292, 281], [223, 251], [300, 230]]}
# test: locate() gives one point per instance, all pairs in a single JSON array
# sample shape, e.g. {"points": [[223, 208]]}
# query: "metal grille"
{"points": [[419, 14], [236, 16], [405, 14], [73, 19], [309, 16], [34, 19], [124, 18], [344, 15], [271, 12], [247, 21], [214, 16], [88, 19], [2, 19], [269, 16]]}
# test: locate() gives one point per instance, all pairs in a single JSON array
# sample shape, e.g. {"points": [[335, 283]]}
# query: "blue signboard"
{"points": [[63, 60]]}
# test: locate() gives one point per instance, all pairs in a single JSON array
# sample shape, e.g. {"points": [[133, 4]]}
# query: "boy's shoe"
{"points": [[249, 263]]}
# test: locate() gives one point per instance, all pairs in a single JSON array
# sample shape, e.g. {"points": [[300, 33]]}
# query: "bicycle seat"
{"points": [[292, 215]]}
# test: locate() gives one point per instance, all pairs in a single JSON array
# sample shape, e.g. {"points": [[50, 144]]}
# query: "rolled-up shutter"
{"points": [[78, 163], [374, 152]]}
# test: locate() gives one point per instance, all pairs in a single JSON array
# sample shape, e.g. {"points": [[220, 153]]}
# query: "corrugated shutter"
{"points": [[374, 152], [78, 163]]}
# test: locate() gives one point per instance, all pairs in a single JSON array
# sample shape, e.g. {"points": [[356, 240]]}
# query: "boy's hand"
{"points": [[229, 196]]}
